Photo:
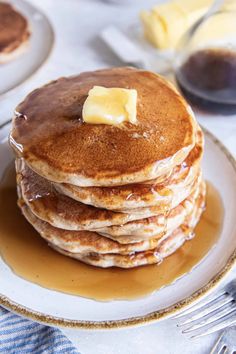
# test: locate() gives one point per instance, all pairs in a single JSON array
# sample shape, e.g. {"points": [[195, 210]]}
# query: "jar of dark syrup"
{"points": [[205, 63]]}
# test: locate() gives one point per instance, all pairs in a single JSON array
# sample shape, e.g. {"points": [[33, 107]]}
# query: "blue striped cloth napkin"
{"points": [[20, 336]]}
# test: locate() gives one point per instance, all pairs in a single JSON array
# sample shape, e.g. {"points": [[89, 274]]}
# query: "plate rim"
{"points": [[45, 59], [149, 318]]}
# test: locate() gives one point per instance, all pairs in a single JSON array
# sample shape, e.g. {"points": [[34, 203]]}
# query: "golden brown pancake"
{"points": [[138, 230], [83, 241], [66, 213], [124, 195], [13, 30], [166, 246], [49, 133], [87, 241], [63, 212], [170, 192]]}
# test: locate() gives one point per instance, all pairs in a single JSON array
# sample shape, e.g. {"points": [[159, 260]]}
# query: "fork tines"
{"points": [[208, 316], [226, 342]]}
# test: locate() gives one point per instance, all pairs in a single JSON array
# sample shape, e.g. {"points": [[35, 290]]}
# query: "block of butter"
{"points": [[110, 106], [166, 23]]}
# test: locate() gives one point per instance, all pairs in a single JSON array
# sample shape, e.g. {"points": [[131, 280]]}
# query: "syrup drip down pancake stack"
{"points": [[121, 195]]}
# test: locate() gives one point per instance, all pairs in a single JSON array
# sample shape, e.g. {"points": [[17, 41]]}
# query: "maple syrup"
{"points": [[29, 256], [208, 80]]}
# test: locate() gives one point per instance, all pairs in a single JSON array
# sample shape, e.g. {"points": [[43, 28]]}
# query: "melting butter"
{"points": [[110, 106]]}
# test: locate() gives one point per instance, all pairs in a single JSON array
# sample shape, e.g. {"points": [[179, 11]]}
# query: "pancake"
{"points": [[14, 32], [63, 212], [139, 230], [121, 195], [87, 241], [49, 133], [165, 248], [171, 191], [83, 241]]}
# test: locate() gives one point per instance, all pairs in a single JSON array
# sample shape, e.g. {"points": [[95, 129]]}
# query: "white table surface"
{"points": [[78, 48]]}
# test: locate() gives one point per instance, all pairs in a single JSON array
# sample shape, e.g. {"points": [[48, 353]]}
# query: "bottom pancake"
{"points": [[166, 246], [7, 57]]}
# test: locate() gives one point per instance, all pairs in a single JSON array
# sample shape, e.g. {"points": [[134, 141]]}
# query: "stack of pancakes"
{"points": [[109, 195]]}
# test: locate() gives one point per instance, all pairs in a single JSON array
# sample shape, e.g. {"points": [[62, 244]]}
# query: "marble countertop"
{"points": [[77, 24]]}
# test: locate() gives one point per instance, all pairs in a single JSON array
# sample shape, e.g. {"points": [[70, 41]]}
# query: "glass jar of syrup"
{"points": [[205, 64]]}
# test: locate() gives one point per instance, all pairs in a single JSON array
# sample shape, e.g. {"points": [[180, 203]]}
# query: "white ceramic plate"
{"points": [[41, 41], [55, 308]]}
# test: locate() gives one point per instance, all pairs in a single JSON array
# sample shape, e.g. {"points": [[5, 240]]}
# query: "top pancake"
{"points": [[13, 28], [169, 191], [48, 131]]}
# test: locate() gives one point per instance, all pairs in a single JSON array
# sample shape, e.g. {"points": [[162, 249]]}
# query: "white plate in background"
{"points": [[40, 44]]}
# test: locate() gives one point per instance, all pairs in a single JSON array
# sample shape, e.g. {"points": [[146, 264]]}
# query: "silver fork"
{"points": [[226, 342], [210, 315]]}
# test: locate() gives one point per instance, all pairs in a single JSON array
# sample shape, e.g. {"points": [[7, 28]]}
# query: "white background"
{"points": [[77, 24]]}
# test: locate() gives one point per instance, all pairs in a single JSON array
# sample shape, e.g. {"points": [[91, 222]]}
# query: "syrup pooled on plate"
{"points": [[29, 256]]}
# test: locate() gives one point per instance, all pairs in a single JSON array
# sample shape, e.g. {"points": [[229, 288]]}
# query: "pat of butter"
{"points": [[110, 106]]}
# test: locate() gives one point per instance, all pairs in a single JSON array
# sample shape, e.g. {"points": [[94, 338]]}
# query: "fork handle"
{"points": [[231, 289]]}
